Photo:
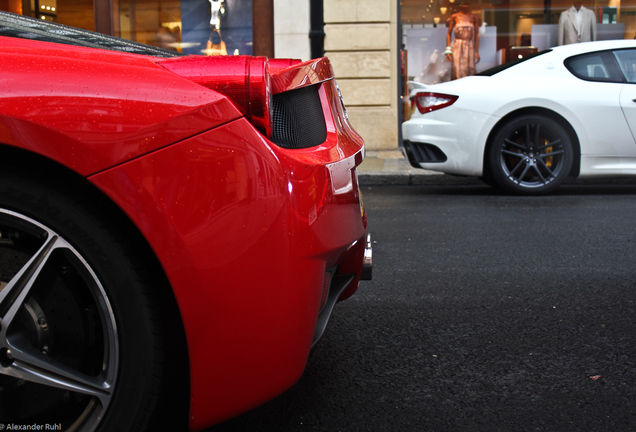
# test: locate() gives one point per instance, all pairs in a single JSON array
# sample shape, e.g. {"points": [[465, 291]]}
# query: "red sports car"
{"points": [[174, 230]]}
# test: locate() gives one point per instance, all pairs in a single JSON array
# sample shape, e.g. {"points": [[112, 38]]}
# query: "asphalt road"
{"points": [[487, 312]]}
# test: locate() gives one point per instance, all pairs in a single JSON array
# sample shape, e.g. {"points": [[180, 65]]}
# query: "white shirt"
{"points": [[579, 21]]}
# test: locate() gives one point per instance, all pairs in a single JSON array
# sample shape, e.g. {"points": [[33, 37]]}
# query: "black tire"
{"points": [[530, 155], [81, 338]]}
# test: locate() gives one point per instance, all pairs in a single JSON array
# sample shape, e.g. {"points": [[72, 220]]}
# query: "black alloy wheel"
{"points": [[530, 155], [80, 336]]}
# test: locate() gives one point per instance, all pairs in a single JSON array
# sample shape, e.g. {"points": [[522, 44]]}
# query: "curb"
{"points": [[411, 179], [426, 179]]}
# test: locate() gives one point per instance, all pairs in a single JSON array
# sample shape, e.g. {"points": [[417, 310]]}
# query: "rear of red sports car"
{"points": [[167, 224]]}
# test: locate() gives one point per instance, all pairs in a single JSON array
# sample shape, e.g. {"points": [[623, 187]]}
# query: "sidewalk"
{"points": [[391, 168]]}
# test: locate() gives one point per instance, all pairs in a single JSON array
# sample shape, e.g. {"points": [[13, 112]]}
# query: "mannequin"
{"points": [[215, 45], [464, 52], [216, 11], [577, 24]]}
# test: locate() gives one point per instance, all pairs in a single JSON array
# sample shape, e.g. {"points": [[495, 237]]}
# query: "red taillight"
{"points": [[427, 101], [243, 79], [249, 82]]}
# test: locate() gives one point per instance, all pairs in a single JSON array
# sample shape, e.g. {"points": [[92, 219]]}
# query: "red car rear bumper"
{"points": [[248, 234]]}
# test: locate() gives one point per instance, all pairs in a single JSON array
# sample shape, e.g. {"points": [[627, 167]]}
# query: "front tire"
{"points": [[81, 340], [530, 155]]}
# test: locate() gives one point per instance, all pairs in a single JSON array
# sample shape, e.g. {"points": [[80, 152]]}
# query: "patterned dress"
{"points": [[463, 62]]}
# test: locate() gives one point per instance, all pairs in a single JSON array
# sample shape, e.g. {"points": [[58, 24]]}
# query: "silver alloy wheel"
{"points": [[58, 336], [532, 155]]}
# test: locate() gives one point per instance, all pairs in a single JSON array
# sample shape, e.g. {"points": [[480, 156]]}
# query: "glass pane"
{"points": [[47, 10], [74, 13], [627, 61], [187, 26], [508, 30], [151, 22], [588, 66]]}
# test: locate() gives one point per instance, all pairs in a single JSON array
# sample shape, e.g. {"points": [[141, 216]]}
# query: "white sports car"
{"points": [[527, 126]]}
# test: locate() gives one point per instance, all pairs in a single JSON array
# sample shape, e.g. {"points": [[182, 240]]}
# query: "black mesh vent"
{"points": [[423, 153], [298, 121]]}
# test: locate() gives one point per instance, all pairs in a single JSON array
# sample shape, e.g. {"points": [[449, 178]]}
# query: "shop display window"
{"points": [[508, 30], [205, 27]]}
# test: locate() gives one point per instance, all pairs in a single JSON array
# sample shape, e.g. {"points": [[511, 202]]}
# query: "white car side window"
{"points": [[598, 66], [627, 61], [590, 66]]}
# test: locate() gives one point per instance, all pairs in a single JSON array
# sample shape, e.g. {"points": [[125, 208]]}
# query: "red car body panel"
{"points": [[244, 229], [293, 78], [103, 108]]}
